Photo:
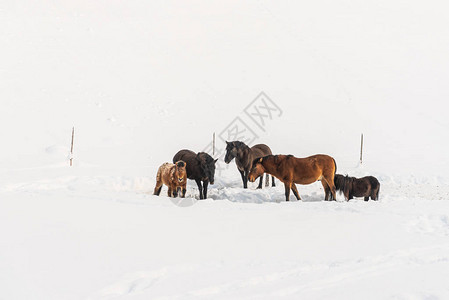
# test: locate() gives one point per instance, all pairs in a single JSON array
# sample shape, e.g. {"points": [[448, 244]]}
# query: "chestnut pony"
{"points": [[291, 170], [174, 176]]}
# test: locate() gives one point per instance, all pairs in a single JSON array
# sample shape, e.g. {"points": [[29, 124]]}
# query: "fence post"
{"points": [[361, 149], [213, 145], [71, 147]]}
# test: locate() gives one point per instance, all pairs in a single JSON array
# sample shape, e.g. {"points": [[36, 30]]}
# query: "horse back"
{"points": [[260, 150], [164, 172], [184, 155], [321, 161], [312, 168]]}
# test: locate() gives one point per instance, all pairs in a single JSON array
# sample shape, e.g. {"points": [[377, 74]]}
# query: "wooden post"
{"points": [[71, 148], [213, 145], [361, 149]]}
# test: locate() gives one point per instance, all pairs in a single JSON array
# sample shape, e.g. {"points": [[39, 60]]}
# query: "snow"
{"points": [[140, 81]]}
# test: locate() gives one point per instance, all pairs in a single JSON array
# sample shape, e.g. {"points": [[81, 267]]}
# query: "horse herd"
{"points": [[253, 163]]}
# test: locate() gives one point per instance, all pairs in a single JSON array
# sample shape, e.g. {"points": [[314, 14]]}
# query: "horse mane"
{"points": [[347, 180], [206, 157], [261, 159], [275, 157], [339, 181], [239, 144]]}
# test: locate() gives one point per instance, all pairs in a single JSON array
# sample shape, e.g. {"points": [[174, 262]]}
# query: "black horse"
{"points": [[200, 167], [244, 157], [352, 187]]}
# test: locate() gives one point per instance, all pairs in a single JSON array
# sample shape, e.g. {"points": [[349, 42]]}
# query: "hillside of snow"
{"points": [[141, 80]]}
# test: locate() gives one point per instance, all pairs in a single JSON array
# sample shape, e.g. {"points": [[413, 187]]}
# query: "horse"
{"points": [[173, 176], [351, 187], [291, 170], [200, 167], [244, 157]]}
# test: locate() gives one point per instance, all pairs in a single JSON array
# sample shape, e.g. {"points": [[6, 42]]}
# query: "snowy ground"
{"points": [[140, 80], [79, 234]]}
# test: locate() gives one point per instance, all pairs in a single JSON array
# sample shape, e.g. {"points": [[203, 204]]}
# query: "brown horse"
{"points": [[244, 157], [351, 187], [291, 170], [174, 176]]}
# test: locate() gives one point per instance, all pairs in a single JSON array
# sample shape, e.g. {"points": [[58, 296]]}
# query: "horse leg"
{"points": [[260, 182], [242, 173], [183, 192], [245, 180], [366, 198], [205, 184], [158, 188], [174, 191], [272, 181], [287, 191], [267, 179], [327, 190], [198, 182], [169, 192], [330, 182], [295, 191]]}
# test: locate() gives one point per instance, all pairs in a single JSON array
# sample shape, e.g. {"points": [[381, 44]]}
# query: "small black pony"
{"points": [[200, 167], [352, 187], [244, 157]]}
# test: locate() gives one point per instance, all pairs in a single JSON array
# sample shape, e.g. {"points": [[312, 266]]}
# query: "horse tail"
{"points": [[376, 185], [333, 189], [347, 188], [159, 174], [335, 164]]}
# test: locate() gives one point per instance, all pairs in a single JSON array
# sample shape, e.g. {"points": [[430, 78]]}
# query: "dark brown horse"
{"points": [[352, 187], [200, 167], [244, 157], [291, 170]]}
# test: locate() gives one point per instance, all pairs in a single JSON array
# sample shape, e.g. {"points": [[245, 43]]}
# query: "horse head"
{"points": [[234, 149], [231, 152], [180, 171], [257, 170], [339, 182]]}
